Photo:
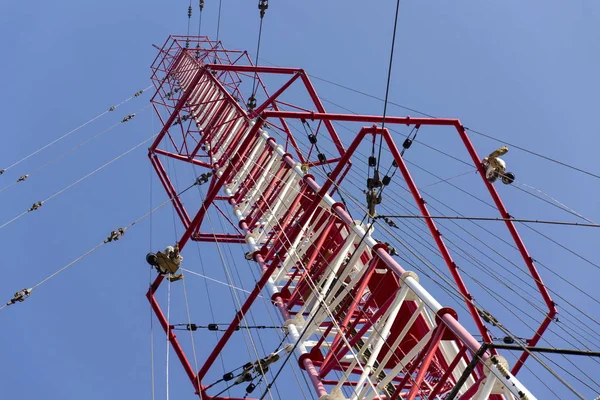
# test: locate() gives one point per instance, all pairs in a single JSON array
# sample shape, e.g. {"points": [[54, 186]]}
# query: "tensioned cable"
{"points": [[552, 198], [262, 6], [152, 382], [458, 217], [87, 253], [556, 203], [168, 336], [387, 87], [219, 22], [529, 285], [71, 150], [81, 179], [563, 247], [72, 131], [564, 164]]}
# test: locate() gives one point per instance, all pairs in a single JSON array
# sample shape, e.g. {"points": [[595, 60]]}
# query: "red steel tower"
{"points": [[353, 316]]}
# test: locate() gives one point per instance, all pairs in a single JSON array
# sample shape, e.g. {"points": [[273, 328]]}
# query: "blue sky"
{"points": [[525, 73]]}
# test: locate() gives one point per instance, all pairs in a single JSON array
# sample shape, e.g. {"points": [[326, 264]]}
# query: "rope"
{"points": [[547, 158], [559, 205], [71, 132], [217, 281], [152, 379], [168, 335]]}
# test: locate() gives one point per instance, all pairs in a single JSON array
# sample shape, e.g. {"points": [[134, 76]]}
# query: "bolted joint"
{"points": [[409, 274], [445, 311]]}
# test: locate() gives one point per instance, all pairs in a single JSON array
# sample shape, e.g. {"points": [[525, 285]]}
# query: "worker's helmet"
{"points": [[151, 259], [508, 178]]}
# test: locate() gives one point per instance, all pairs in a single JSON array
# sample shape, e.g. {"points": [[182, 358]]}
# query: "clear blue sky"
{"points": [[526, 72]]}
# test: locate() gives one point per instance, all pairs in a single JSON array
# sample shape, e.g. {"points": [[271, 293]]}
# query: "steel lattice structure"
{"points": [[348, 305]]}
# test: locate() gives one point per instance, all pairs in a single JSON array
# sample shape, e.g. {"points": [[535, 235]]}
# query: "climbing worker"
{"points": [[23, 177], [495, 167], [115, 235], [20, 296], [127, 118], [167, 262], [35, 206]]}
